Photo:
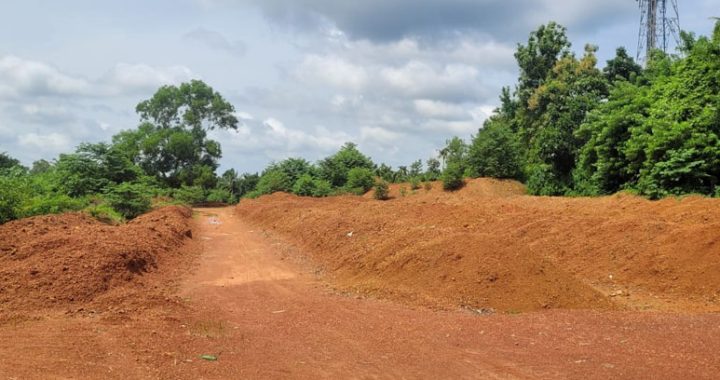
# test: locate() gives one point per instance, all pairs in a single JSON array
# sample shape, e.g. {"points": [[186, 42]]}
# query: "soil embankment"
{"points": [[69, 262], [489, 246]]}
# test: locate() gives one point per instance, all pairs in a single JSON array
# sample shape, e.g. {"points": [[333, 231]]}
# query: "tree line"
{"points": [[566, 127]]}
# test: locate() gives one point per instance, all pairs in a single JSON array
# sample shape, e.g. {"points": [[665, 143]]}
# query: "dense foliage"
{"points": [[568, 128]]}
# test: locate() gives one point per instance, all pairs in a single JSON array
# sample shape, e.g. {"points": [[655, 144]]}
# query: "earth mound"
{"points": [[70, 260], [497, 249]]}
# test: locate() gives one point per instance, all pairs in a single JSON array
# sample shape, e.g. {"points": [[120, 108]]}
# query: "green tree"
{"points": [[171, 143], [544, 48], [622, 67], [7, 162], [294, 168], [573, 88], [680, 139], [273, 181], [416, 169], [335, 168], [603, 165], [40, 167], [433, 169], [385, 172], [495, 151]]}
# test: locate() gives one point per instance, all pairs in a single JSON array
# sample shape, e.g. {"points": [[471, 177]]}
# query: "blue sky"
{"points": [[398, 77]]}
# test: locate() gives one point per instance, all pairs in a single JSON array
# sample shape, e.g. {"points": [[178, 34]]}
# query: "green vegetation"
{"points": [[382, 190], [565, 128], [569, 128]]}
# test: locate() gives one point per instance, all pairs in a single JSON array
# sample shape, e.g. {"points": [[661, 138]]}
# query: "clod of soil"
{"points": [[488, 246], [69, 260]]}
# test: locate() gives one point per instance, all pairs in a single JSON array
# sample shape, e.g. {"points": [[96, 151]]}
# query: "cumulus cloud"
{"points": [[333, 71], [126, 78], [438, 109], [378, 135], [55, 142], [217, 41], [22, 78], [26, 78]]}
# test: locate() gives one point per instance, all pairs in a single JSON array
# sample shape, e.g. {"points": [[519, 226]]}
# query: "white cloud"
{"points": [[20, 77], [333, 71], [439, 109], [294, 139], [378, 135], [126, 78], [420, 79], [53, 141]]}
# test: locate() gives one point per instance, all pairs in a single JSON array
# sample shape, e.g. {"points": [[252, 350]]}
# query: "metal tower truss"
{"points": [[659, 27]]}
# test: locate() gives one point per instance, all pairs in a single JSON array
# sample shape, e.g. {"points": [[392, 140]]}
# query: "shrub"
{"points": [[105, 214], [403, 191], [304, 186], [221, 196], [428, 186], [10, 199], [381, 190], [542, 180], [323, 188], [129, 199], [360, 180], [414, 183], [189, 194], [52, 203], [452, 176], [273, 181]]}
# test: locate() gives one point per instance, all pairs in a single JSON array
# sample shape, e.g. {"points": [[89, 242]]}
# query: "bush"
{"points": [[52, 204], [414, 183], [360, 180], [542, 180], [10, 199], [428, 186], [105, 214], [189, 194], [129, 199], [452, 176], [381, 191], [403, 191], [323, 188], [304, 186], [273, 181], [221, 196]]}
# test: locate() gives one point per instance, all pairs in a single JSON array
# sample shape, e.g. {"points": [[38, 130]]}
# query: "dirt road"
{"points": [[258, 307], [274, 319]]}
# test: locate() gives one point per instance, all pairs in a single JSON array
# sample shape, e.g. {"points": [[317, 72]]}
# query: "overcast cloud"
{"points": [[398, 77]]}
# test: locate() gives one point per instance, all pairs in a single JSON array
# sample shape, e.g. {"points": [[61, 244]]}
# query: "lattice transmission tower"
{"points": [[659, 26]]}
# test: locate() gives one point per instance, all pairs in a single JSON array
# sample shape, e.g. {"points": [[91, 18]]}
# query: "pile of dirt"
{"points": [[502, 250], [71, 260]]}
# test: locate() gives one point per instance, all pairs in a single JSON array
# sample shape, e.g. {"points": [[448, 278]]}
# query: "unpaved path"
{"points": [[268, 317]]}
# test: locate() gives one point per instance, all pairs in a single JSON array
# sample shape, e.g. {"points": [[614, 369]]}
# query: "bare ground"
{"points": [[256, 301]]}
